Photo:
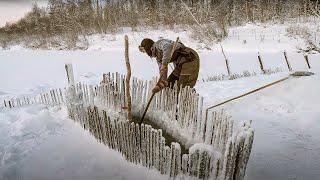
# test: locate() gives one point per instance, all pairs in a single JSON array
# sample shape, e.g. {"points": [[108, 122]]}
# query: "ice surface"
{"points": [[40, 143]]}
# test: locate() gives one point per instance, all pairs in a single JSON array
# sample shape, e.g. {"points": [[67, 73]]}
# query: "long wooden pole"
{"points": [[128, 77], [250, 92], [145, 111]]}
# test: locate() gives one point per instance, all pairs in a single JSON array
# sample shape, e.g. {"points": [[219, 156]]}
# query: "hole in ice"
{"points": [[169, 138]]}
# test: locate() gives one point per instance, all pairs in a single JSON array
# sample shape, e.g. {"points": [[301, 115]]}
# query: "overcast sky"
{"points": [[12, 10]]}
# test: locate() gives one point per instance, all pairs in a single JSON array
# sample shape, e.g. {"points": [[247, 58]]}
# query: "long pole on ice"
{"points": [[295, 74]]}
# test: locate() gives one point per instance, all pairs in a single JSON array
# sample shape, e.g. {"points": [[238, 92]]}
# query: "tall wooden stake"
{"points": [[226, 59], [70, 76], [307, 60], [128, 77], [260, 62], [287, 61], [71, 82]]}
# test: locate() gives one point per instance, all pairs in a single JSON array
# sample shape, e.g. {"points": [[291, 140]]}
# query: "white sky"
{"points": [[13, 10]]}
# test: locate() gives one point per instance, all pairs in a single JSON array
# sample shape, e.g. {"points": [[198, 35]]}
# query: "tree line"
{"points": [[73, 18]]}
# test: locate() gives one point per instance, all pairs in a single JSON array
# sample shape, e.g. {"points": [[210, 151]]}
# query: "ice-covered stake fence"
{"points": [[217, 148]]}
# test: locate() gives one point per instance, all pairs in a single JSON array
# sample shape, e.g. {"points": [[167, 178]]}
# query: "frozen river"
{"points": [[40, 143]]}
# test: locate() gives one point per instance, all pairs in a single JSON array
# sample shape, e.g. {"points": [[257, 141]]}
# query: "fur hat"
{"points": [[146, 44]]}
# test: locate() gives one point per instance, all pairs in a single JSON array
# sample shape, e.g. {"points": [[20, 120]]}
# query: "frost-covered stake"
{"points": [[70, 76], [128, 77]]}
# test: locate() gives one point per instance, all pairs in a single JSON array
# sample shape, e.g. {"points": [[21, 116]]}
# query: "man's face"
{"points": [[141, 49]]}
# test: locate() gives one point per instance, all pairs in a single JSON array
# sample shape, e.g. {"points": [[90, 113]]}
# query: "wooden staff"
{"points": [[145, 111], [128, 77]]}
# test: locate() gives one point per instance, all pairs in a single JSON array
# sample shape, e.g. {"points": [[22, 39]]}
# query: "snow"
{"points": [[201, 147], [286, 122], [32, 137], [37, 142]]}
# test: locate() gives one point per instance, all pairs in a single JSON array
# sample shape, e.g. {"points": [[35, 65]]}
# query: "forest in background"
{"points": [[70, 21]]}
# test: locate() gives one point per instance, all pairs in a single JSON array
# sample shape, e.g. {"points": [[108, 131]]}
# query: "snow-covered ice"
{"points": [[41, 143], [37, 142]]}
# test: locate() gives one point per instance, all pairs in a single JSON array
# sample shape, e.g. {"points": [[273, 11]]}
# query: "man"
{"points": [[185, 60]]}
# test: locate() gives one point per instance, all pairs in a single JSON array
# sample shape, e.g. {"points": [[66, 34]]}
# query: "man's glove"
{"points": [[162, 83]]}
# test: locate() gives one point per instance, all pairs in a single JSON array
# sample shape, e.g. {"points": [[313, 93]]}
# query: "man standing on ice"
{"points": [[185, 60]]}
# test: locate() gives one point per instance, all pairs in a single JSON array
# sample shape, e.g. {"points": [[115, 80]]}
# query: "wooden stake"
{"points": [[128, 77], [70, 75], [226, 59], [287, 61], [260, 62], [307, 60]]}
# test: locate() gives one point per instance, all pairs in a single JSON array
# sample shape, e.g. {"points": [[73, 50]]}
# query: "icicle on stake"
{"points": [[261, 64], [128, 77], [287, 61], [307, 60]]}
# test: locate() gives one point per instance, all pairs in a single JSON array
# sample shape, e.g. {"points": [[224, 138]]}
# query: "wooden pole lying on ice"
{"points": [[295, 74], [128, 77]]}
